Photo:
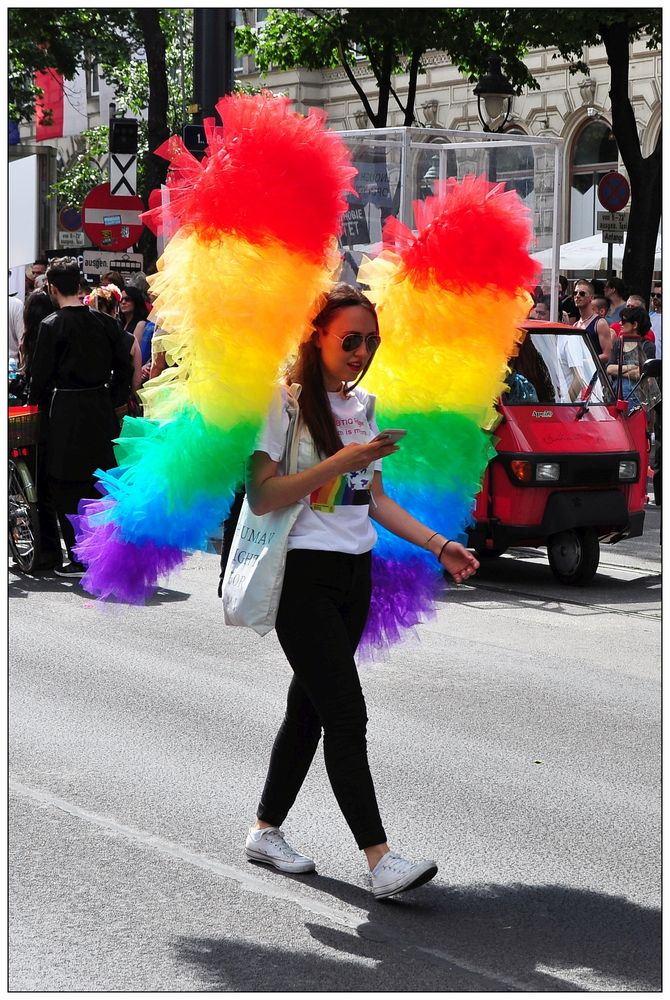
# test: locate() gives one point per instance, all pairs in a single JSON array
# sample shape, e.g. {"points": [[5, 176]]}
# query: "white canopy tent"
{"points": [[590, 254]]}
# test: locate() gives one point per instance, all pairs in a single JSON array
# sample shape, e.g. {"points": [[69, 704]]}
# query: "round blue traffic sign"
{"points": [[70, 219], [613, 191]]}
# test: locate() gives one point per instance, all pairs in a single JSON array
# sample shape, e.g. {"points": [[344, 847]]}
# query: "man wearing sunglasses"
{"points": [[596, 328]]}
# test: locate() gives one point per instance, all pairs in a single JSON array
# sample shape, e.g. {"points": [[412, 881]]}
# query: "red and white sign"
{"points": [[66, 112], [112, 222]]}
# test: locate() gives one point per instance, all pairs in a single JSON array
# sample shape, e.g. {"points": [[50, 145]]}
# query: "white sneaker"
{"points": [[397, 874], [271, 848]]}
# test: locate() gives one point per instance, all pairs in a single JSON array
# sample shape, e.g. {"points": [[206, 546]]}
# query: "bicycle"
{"points": [[24, 524]]}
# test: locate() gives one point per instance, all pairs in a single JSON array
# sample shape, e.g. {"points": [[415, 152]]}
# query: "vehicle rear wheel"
{"points": [[24, 525], [574, 555]]}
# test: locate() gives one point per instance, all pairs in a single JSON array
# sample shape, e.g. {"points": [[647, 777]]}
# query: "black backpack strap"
{"points": [[229, 526]]}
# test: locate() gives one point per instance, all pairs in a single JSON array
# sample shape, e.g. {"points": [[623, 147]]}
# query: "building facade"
{"points": [[575, 108]]}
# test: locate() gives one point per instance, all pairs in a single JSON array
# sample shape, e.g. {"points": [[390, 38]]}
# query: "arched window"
{"points": [[594, 153]]}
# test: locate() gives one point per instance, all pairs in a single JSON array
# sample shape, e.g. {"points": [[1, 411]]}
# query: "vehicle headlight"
{"points": [[547, 471], [628, 470]]}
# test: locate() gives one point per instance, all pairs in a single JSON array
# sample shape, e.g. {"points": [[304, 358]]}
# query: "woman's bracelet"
{"points": [[429, 540], [439, 558]]}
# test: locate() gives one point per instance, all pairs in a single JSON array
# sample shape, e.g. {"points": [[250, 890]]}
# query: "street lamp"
{"points": [[495, 92]]}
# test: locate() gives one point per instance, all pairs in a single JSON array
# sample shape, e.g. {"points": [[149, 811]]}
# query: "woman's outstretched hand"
{"points": [[458, 561]]}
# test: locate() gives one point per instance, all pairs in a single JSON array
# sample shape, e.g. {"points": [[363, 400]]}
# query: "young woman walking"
{"points": [[326, 590]]}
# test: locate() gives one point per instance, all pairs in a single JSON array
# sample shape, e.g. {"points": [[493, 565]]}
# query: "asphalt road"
{"points": [[516, 740]]}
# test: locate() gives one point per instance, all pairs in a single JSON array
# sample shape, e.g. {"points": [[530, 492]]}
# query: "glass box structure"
{"points": [[397, 166]]}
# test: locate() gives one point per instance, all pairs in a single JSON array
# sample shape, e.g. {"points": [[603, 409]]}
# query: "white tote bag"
{"points": [[254, 574]]}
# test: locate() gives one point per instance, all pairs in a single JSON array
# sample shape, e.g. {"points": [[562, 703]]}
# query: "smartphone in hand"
{"points": [[392, 434]]}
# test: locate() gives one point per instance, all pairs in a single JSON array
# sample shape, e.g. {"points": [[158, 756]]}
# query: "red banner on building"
{"points": [[51, 83]]}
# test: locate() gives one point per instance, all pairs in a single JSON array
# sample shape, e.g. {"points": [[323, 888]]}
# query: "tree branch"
{"points": [[384, 82], [615, 39], [414, 67], [396, 98], [355, 84]]}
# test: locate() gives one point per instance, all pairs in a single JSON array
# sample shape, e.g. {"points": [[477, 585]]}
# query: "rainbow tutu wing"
{"points": [[234, 291], [450, 299]]}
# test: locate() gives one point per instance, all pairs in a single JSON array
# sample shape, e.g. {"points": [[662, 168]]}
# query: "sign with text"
{"points": [[613, 235], [71, 239], [615, 221], [99, 262], [373, 183], [195, 139], [355, 228]]}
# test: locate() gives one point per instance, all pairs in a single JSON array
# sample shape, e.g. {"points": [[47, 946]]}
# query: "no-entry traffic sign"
{"points": [[112, 222]]}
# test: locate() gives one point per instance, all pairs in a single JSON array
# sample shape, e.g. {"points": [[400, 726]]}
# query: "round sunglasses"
{"points": [[354, 340]]}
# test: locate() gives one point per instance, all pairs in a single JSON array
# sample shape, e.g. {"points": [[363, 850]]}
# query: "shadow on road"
{"points": [[519, 581], [47, 583], [546, 938]]}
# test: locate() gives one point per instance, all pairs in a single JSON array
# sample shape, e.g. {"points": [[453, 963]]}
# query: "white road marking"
{"points": [[351, 918]]}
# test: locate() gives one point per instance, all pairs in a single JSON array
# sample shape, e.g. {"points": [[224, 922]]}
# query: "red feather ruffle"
{"points": [[268, 173], [471, 233]]}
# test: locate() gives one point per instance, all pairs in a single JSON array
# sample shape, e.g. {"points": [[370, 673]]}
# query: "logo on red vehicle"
{"points": [[542, 413]]}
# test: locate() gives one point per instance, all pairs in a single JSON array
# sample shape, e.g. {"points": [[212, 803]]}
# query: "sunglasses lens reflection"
{"points": [[354, 340]]}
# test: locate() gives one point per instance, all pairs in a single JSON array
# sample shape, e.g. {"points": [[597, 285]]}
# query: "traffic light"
{"points": [[123, 135]]}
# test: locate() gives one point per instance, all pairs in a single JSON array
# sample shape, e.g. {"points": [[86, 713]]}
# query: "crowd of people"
{"points": [[596, 306], [613, 323], [623, 332], [80, 353]]}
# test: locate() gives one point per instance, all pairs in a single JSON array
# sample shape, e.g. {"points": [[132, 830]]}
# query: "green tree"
{"points": [[141, 55], [85, 169], [570, 30], [66, 40], [392, 43], [397, 42]]}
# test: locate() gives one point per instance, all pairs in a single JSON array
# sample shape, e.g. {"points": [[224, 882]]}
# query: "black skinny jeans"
{"points": [[321, 617]]}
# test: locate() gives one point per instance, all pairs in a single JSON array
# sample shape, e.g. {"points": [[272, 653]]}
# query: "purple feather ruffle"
{"points": [[118, 569], [403, 595]]}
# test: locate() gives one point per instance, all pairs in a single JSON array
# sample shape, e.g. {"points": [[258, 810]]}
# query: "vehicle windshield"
{"points": [[556, 368]]}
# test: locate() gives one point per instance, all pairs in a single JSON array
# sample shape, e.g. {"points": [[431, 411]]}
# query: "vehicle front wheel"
{"points": [[574, 555], [24, 525]]}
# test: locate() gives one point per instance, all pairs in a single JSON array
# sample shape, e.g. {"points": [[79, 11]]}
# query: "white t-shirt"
{"points": [[15, 328], [335, 517], [574, 359]]}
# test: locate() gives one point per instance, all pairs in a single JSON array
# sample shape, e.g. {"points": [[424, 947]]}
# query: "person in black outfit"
{"points": [[79, 373]]}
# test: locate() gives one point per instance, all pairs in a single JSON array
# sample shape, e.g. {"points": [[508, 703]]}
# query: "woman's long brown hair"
{"points": [[306, 369]]}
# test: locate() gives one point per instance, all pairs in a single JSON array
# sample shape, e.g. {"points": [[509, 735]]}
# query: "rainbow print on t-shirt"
{"points": [[336, 493], [339, 492]]}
